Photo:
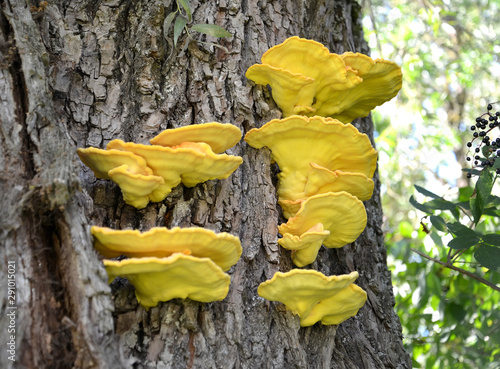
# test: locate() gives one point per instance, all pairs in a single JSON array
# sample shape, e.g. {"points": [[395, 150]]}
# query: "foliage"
{"points": [[181, 19], [450, 64]]}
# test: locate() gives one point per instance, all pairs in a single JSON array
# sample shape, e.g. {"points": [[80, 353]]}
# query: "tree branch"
{"points": [[460, 270]]}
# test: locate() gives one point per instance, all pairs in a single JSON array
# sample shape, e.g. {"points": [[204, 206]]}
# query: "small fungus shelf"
{"points": [[315, 297]]}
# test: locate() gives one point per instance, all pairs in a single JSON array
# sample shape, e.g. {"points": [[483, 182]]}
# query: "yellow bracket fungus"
{"points": [[223, 248], [340, 213], [322, 180], [219, 136], [129, 171], [149, 172], [316, 155], [102, 161], [177, 276], [136, 188], [314, 297], [306, 79], [189, 162]]}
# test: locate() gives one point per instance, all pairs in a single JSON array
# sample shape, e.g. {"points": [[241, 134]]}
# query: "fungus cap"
{"points": [[176, 276], [137, 189], [297, 141], [382, 80], [306, 246], [219, 136], [191, 163], [322, 83], [337, 308], [102, 161], [297, 71], [340, 213], [222, 248], [322, 180], [301, 290]]}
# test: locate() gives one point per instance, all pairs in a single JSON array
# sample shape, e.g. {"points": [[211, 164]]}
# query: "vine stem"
{"points": [[460, 270]]}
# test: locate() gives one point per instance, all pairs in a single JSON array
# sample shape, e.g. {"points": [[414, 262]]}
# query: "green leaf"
{"points": [[458, 229], [425, 192], [488, 256], [463, 242], [167, 23], [180, 23], [438, 223], [421, 207], [485, 150], [483, 190], [211, 29], [187, 8], [491, 239], [456, 311], [496, 164], [441, 204], [465, 193]]}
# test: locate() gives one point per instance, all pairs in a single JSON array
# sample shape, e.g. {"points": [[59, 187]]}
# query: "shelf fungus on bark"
{"points": [[316, 155], [315, 297], [219, 136], [177, 276], [222, 248], [333, 219], [306, 79], [149, 172], [189, 162], [135, 179]]}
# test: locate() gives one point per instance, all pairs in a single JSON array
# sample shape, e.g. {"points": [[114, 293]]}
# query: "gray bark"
{"points": [[80, 73]]}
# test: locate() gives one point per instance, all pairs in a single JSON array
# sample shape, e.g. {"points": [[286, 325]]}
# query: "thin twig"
{"points": [[460, 270]]}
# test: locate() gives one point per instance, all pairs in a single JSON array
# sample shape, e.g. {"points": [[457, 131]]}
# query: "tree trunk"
{"points": [[79, 73]]}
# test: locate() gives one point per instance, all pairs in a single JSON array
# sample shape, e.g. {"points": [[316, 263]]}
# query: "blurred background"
{"points": [[449, 52]]}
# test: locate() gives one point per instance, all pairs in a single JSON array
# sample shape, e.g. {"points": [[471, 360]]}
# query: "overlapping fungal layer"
{"points": [[170, 263], [316, 155], [144, 173], [332, 219], [223, 248], [306, 79], [315, 297], [325, 169], [176, 276]]}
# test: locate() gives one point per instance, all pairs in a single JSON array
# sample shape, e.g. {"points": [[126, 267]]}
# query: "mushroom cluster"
{"points": [[325, 173], [306, 79], [144, 173], [164, 264], [326, 165]]}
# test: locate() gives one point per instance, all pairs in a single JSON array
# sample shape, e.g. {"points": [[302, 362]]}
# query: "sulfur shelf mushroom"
{"points": [[223, 248], [129, 171], [137, 189], [306, 79], [322, 180], [337, 308], [189, 162], [340, 213], [303, 146], [306, 246], [303, 291], [102, 161], [382, 80], [219, 136], [176, 276]]}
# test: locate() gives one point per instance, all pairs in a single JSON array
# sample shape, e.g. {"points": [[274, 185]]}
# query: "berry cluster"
{"points": [[487, 150]]}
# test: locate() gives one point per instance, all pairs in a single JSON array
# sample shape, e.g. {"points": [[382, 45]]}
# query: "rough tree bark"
{"points": [[79, 73]]}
